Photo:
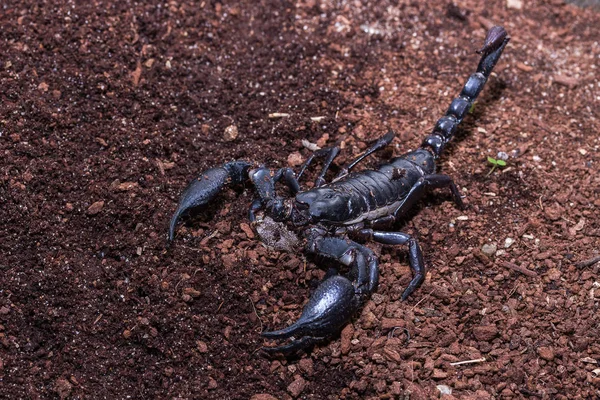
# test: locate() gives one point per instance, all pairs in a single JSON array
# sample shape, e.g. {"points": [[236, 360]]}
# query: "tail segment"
{"points": [[445, 127]]}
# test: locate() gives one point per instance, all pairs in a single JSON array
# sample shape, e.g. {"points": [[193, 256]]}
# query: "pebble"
{"points": [[516, 4], [263, 396], [95, 208], [296, 387], [295, 159], [444, 390], [546, 353], [63, 387], [346, 338], [307, 366], [201, 346], [212, 384], [378, 298], [489, 249], [439, 374], [231, 133], [484, 333], [502, 156], [508, 242], [247, 230]]}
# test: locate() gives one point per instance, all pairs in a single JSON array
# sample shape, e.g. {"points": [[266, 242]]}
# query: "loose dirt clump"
{"points": [[108, 109]]}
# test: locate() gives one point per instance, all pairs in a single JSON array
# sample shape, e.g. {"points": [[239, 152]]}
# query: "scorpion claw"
{"points": [[327, 311], [205, 187]]}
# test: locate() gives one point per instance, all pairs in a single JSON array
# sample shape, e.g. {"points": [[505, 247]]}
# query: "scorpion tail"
{"points": [[205, 187], [444, 129]]}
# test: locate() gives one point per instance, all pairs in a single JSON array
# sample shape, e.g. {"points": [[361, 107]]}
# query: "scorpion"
{"points": [[353, 208]]}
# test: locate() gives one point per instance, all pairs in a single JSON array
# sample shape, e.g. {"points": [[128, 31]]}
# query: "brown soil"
{"points": [[108, 110]]}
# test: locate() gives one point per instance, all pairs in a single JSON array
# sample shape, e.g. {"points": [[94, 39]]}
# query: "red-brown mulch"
{"points": [[108, 109]]}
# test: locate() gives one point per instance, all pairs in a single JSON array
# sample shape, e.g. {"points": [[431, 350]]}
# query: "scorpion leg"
{"points": [[415, 256], [206, 186], [337, 298], [289, 178], [382, 142], [418, 189], [265, 186], [330, 154], [442, 181]]}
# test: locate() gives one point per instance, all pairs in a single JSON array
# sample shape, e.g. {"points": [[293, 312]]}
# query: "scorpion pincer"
{"points": [[353, 208]]}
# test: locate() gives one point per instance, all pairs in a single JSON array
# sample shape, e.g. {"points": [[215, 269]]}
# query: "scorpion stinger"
{"points": [[354, 206]]}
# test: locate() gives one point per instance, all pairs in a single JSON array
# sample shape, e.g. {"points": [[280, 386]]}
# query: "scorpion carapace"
{"points": [[351, 209]]}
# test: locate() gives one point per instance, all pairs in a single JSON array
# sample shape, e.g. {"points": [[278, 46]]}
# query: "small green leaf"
{"points": [[501, 163], [492, 161], [472, 108]]}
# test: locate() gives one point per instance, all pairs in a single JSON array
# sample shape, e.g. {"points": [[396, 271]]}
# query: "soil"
{"points": [[108, 109]]}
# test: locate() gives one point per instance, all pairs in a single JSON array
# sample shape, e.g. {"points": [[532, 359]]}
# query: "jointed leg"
{"points": [[442, 181], [379, 144], [287, 174], [415, 256], [329, 154]]}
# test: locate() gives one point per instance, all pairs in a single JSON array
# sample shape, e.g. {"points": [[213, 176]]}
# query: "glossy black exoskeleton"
{"points": [[354, 206]]}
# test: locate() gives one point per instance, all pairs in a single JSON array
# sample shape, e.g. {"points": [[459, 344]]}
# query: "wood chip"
{"points": [[570, 82], [520, 269]]}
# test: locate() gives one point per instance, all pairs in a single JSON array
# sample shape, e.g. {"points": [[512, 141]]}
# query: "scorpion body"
{"points": [[352, 208]]}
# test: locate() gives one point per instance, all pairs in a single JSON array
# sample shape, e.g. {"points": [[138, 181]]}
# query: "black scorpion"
{"points": [[352, 206]]}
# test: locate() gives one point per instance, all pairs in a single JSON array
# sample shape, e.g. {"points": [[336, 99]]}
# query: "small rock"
{"points": [[502, 156], [126, 186], [546, 353], [508, 242], [307, 366], [126, 333], [186, 298], [247, 230], [231, 133], [489, 249], [95, 208], [296, 387], [396, 388], [212, 384], [568, 81], [378, 298], [516, 4], [554, 274], [4, 310], [227, 332], [201, 346], [191, 291], [346, 338], [536, 158], [484, 333], [295, 159], [391, 323], [63, 387], [444, 390], [263, 396]]}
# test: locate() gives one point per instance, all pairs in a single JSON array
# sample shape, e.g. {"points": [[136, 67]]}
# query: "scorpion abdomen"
{"points": [[369, 194]]}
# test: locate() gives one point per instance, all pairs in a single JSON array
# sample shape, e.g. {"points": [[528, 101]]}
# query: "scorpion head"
{"points": [[279, 209], [282, 210], [300, 215]]}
